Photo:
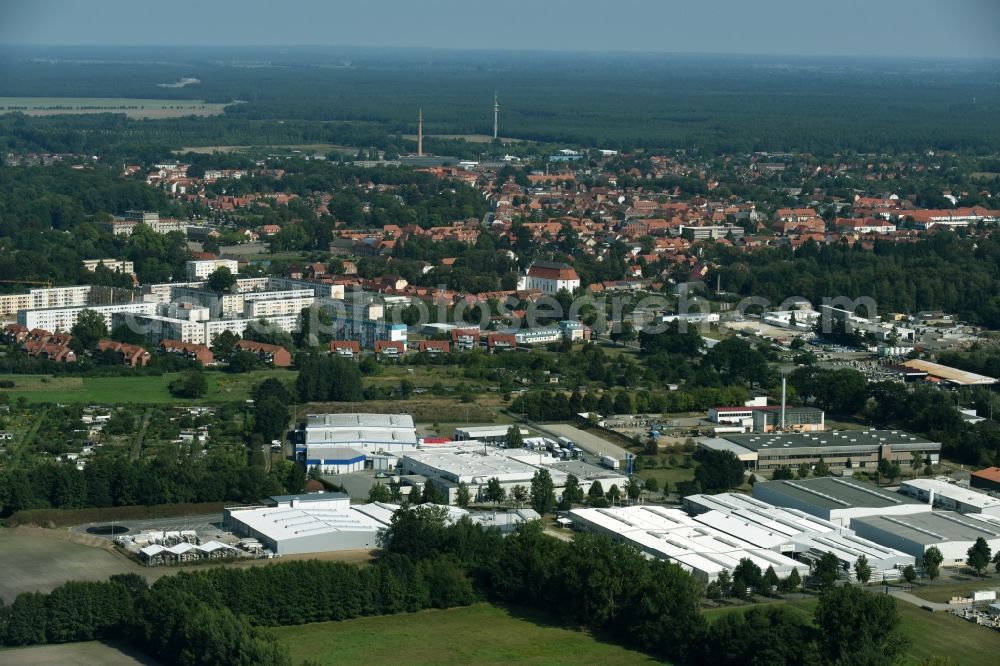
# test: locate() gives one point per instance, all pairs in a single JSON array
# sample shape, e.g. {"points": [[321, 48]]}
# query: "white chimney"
{"points": [[781, 425]]}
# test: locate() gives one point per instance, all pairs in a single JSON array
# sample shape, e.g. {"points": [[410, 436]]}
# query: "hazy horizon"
{"points": [[922, 29]]}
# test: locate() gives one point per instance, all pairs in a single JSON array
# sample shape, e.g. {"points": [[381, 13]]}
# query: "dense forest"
{"points": [[945, 271], [366, 97]]}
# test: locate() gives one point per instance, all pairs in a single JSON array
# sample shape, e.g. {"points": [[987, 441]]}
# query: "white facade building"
{"points": [[839, 500], [115, 265], [202, 268], [63, 319], [951, 497], [549, 277], [45, 297], [951, 533]]}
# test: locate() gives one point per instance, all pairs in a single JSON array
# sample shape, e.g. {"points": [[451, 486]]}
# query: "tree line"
{"points": [[212, 616]]}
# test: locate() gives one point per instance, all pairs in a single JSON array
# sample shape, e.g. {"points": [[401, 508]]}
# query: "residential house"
{"points": [[350, 349], [388, 349], [130, 355], [200, 353], [275, 355]]}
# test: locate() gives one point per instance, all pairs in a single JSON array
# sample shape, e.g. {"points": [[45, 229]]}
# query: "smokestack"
{"points": [[496, 115], [420, 134], [781, 425]]}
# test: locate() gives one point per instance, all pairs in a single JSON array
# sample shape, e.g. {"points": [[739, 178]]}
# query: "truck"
{"points": [[609, 462]]}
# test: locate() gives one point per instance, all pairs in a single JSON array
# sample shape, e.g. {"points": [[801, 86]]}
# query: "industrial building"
{"points": [[335, 459], [365, 433], [951, 497], [807, 536], [326, 522], [491, 434], [691, 542], [986, 479], [320, 522], [766, 418], [839, 449], [947, 374], [951, 533], [838, 500], [447, 466]]}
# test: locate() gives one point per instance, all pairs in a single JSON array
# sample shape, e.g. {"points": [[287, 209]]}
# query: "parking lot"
{"points": [[208, 527], [586, 441]]}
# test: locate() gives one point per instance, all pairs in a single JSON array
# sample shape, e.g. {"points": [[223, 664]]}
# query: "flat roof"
{"points": [[347, 436], [473, 465], [282, 522], [310, 497], [949, 374], [934, 527], [955, 492], [720, 444], [357, 420], [830, 492], [583, 470], [830, 439]]}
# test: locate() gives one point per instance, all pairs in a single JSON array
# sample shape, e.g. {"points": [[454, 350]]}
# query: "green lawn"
{"points": [[942, 593], [927, 634], [479, 634], [669, 474], [145, 390]]}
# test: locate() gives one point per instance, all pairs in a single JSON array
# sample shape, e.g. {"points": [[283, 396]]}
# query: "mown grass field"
{"points": [[927, 634], [91, 653], [133, 108], [32, 563], [942, 593], [478, 634], [138, 390]]}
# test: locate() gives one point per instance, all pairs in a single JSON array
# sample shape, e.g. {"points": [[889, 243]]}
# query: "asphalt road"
{"points": [[207, 526]]}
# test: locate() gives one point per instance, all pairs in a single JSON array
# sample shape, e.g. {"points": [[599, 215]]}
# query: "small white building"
{"points": [[952, 497]]}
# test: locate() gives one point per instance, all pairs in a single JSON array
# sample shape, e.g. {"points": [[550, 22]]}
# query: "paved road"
{"points": [[586, 441], [204, 525], [923, 603]]}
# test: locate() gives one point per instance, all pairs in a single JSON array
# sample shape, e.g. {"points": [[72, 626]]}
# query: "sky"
{"points": [[928, 28]]}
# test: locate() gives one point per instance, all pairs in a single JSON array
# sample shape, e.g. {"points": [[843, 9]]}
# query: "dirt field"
{"points": [[41, 560], [81, 654], [133, 108], [38, 559]]}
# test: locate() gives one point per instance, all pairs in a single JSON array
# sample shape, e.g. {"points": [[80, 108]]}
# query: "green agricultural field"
{"points": [[479, 634], [927, 634], [140, 390], [133, 108]]}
